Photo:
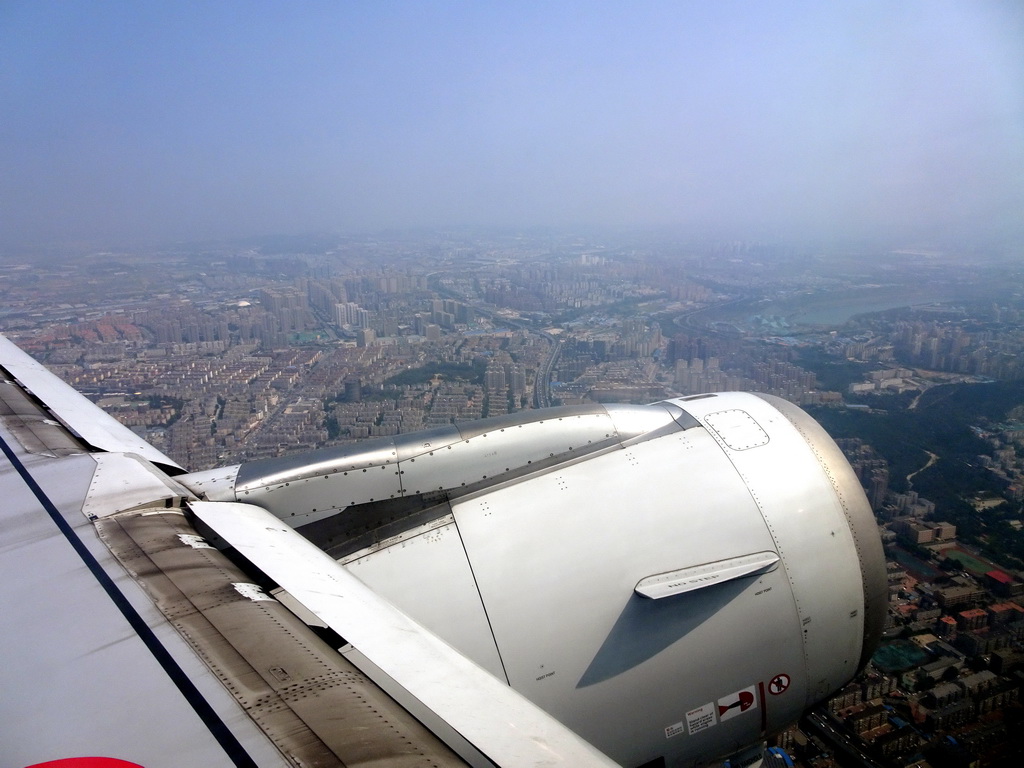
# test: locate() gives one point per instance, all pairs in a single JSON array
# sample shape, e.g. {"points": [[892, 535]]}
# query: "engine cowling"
{"points": [[672, 581]]}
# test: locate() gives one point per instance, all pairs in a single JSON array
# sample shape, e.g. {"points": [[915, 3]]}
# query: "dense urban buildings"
{"points": [[222, 354]]}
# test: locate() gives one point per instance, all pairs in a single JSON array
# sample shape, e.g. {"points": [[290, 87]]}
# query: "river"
{"points": [[832, 308]]}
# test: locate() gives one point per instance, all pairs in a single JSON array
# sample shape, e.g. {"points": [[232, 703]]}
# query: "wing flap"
{"points": [[79, 414], [497, 721], [314, 705]]}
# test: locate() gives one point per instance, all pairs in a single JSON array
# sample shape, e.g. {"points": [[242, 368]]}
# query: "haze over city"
{"points": [[147, 122], [519, 320]]}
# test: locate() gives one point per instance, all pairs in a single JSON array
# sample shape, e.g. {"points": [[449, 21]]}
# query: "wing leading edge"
{"points": [[76, 412]]}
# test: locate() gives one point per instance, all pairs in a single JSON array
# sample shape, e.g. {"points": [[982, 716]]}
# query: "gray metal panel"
{"points": [[489, 454], [468, 429], [737, 429], [634, 420], [313, 704], [682, 418], [315, 488], [212, 484], [267, 473], [333, 481], [33, 426], [365, 525], [417, 443]]}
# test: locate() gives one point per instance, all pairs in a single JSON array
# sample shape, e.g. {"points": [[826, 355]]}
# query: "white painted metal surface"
{"points": [[76, 678], [445, 594], [487, 713], [125, 481], [737, 429], [694, 577], [746, 528], [581, 643], [632, 420], [557, 557], [811, 533]]}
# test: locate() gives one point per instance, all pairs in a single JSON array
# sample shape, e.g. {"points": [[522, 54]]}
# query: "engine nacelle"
{"points": [[671, 581]]}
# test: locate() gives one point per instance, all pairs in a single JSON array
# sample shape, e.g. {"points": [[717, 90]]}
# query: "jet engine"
{"points": [[673, 581]]}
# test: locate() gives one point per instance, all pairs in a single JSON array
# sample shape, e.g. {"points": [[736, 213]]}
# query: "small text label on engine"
{"points": [[701, 718]]}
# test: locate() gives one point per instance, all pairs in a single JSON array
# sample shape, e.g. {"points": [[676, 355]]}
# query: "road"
{"points": [[846, 752], [542, 381], [932, 458]]}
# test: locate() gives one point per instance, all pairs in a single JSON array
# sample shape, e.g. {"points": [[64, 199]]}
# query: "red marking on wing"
{"points": [[86, 762]]}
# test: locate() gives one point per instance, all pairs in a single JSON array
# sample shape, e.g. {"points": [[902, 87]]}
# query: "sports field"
{"points": [[899, 655], [971, 562]]}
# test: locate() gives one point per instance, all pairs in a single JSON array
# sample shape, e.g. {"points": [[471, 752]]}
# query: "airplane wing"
{"points": [[126, 635]]}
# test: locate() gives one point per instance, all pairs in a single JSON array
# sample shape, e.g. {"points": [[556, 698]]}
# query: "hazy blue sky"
{"points": [[154, 120]]}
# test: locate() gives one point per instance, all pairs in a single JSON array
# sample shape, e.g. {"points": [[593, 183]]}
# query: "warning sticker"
{"points": [[674, 730], [778, 684], [701, 718], [734, 704]]}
